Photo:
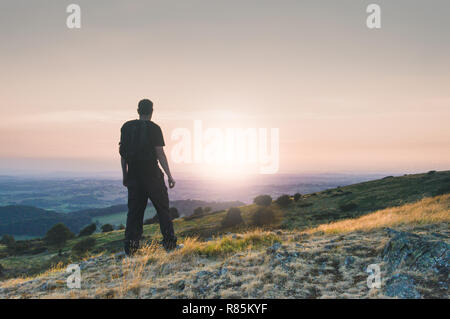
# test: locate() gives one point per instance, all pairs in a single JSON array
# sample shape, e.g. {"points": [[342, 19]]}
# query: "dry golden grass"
{"points": [[60, 267], [426, 211], [134, 271]]}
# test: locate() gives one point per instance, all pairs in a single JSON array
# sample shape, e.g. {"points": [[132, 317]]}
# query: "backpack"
{"points": [[134, 141]]}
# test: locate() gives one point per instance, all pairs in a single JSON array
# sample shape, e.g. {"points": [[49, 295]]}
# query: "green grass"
{"points": [[324, 207], [228, 245]]}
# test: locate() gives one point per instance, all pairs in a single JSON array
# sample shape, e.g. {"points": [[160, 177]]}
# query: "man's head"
{"points": [[145, 109]]}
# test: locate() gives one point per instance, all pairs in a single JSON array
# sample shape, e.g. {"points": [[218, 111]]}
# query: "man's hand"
{"points": [[171, 182], [163, 161], [125, 181]]}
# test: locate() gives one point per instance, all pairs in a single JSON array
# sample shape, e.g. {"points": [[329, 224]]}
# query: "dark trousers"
{"points": [[140, 189]]}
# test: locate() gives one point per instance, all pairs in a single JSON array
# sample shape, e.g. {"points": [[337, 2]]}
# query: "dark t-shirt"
{"points": [[146, 135]]}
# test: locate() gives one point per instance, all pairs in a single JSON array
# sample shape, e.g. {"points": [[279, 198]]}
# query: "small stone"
{"points": [[47, 286], [272, 249], [180, 285], [222, 271], [120, 255], [203, 273], [349, 260]]}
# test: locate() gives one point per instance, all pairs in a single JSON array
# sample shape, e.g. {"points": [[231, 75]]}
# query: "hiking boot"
{"points": [[131, 247], [168, 245]]}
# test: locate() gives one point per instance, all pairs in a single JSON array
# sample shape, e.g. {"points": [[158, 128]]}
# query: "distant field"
{"points": [[24, 237], [121, 218]]}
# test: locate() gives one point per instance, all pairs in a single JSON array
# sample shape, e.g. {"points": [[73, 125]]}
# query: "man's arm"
{"points": [[165, 165], [123, 162]]}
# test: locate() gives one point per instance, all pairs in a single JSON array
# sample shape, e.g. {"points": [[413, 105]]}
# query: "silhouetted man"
{"points": [[141, 147]]}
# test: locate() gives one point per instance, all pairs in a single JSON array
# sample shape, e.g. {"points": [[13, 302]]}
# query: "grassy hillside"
{"points": [[264, 264], [432, 210], [310, 211], [362, 198]]}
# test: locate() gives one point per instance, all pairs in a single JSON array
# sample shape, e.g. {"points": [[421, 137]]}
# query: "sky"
{"points": [[343, 97]]}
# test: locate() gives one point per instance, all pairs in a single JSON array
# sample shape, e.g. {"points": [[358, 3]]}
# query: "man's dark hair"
{"points": [[145, 107]]}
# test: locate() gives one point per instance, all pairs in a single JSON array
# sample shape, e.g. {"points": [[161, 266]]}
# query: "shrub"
{"points": [[58, 235], [121, 227], [431, 172], [173, 213], [232, 218], [21, 247], [152, 220], [198, 212], [346, 207], [84, 245], [7, 240], [283, 200], [88, 230], [263, 200], [107, 228], [297, 196], [207, 209], [263, 216], [10, 243]]}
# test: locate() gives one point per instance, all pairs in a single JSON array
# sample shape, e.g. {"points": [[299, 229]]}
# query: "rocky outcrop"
{"points": [[414, 252], [406, 252]]}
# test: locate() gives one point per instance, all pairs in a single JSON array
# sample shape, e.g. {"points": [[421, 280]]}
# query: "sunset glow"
{"points": [[344, 98]]}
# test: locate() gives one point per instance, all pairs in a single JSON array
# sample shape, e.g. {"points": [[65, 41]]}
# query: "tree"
{"points": [[173, 213], [297, 196], [83, 245], [88, 230], [263, 216], [58, 235], [9, 242], [7, 239], [263, 200], [121, 227], [207, 209], [232, 218], [107, 228], [283, 200], [198, 211]]}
